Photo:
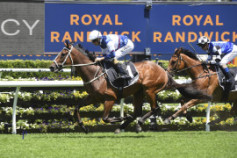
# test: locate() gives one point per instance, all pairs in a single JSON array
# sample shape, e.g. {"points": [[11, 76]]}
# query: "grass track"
{"points": [[218, 144]]}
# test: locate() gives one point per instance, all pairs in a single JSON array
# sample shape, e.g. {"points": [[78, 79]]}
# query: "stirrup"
{"points": [[226, 81]]}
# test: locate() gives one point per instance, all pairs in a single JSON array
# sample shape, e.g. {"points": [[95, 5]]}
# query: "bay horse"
{"points": [[203, 76], [152, 79]]}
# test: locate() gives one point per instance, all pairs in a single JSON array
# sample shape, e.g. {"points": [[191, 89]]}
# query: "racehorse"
{"points": [[204, 77], [152, 79]]}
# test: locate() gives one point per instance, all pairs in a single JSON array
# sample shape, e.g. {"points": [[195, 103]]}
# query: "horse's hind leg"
{"points": [[155, 109], [137, 102]]}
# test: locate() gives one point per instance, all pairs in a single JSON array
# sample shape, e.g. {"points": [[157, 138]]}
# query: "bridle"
{"points": [[178, 63], [68, 55], [60, 66]]}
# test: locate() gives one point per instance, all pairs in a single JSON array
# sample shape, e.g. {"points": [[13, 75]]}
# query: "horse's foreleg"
{"points": [[147, 115], [185, 112], [186, 106], [84, 102], [128, 119], [80, 123]]}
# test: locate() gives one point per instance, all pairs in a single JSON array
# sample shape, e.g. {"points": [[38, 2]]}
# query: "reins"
{"points": [[77, 65], [209, 74], [187, 68], [80, 65], [184, 69]]}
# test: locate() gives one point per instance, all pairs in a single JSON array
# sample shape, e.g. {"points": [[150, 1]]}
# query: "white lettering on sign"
{"points": [[3, 27], [17, 23]]}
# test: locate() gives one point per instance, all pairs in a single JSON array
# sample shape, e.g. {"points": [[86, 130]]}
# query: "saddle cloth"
{"points": [[119, 83], [221, 77]]}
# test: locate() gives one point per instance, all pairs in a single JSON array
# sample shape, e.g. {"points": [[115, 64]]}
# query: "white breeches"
{"points": [[230, 56], [124, 50]]}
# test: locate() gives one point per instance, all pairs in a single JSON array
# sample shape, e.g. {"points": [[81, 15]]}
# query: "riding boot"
{"points": [[121, 71], [227, 74], [227, 82]]}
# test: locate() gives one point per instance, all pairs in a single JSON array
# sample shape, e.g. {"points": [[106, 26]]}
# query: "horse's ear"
{"points": [[178, 51], [67, 44], [80, 46]]}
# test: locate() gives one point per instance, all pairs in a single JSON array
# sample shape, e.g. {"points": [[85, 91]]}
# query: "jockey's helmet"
{"points": [[95, 34], [203, 40]]}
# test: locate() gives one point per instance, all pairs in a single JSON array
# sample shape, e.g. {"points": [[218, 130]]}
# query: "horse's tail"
{"points": [[189, 90]]}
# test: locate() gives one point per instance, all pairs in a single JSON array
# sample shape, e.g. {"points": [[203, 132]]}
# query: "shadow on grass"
{"points": [[91, 136]]}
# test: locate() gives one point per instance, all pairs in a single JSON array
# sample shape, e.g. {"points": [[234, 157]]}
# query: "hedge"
{"points": [[38, 64], [30, 64], [52, 110]]}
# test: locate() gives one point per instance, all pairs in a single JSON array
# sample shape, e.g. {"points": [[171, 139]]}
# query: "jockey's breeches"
{"points": [[124, 50], [230, 56]]}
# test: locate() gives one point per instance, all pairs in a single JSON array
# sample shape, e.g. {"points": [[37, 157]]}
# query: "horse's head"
{"points": [[63, 58], [176, 62]]}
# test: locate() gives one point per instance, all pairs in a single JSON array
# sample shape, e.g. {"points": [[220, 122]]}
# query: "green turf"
{"points": [[125, 145]]}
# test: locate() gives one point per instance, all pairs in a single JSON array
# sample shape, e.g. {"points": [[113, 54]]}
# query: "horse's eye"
{"points": [[173, 62], [62, 55]]}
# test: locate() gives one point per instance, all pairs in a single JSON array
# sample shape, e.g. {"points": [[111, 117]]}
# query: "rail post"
{"points": [[14, 110], [208, 116]]}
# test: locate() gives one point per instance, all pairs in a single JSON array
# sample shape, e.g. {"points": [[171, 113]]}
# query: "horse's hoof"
{"points": [[117, 131], [189, 118], [167, 121], [138, 128], [85, 129]]}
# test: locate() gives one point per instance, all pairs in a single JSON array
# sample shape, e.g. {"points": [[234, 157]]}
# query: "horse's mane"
{"points": [[86, 52], [189, 53]]}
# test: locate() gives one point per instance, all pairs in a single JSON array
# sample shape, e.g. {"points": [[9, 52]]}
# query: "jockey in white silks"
{"points": [[225, 52], [113, 47]]}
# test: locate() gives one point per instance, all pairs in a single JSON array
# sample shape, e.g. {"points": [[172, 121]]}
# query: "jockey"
{"points": [[113, 47], [224, 51]]}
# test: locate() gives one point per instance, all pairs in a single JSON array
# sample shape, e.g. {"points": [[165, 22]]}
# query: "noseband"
{"points": [[177, 64], [68, 55]]}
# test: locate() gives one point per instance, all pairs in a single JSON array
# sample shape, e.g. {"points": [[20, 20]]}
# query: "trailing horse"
{"points": [[205, 77], [152, 79]]}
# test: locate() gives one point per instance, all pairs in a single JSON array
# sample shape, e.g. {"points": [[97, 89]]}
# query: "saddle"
{"points": [[120, 83]]}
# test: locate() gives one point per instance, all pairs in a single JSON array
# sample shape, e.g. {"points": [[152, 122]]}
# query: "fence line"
{"points": [[28, 70]]}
